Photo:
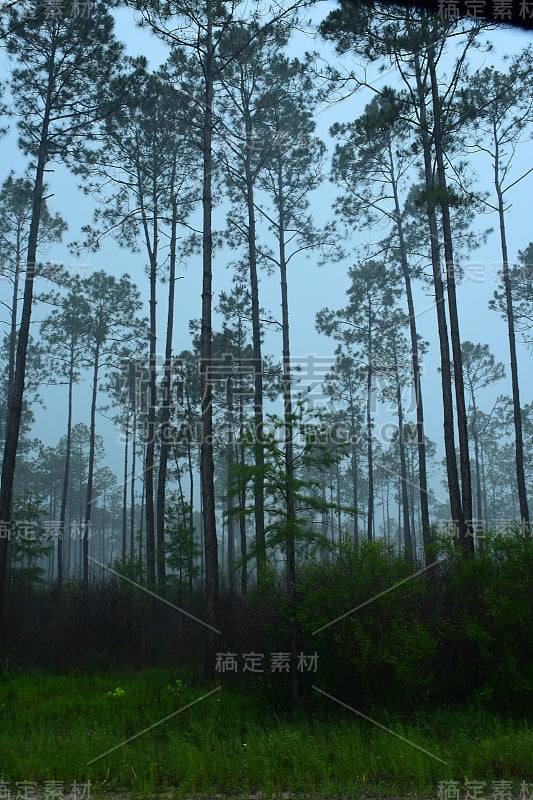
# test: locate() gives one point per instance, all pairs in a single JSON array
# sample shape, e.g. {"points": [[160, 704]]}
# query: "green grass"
{"points": [[52, 726]]}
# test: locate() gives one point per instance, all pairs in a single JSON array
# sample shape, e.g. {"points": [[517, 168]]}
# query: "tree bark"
{"points": [[90, 472], [288, 420], [242, 503], [415, 358], [475, 437], [446, 378], [66, 473], [206, 447], [355, 468], [230, 447], [370, 456], [515, 385], [13, 326], [165, 427], [133, 396], [259, 489], [465, 531], [125, 490], [149, 465], [403, 469], [15, 406]]}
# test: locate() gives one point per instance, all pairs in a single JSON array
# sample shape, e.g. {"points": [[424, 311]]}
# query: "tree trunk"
{"points": [[370, 510], [324, 518], [288, 420], [403, 470], [355, 467], [141, 521], [150, 444], [465, 531], [125, 491], [475, 436], [191, 492], [446, 378], [13, 326], [230, 446], [66, 473], [411, 477], [165, 427], [206, 447], [415, 357], [339, 503], [484, 482], [133, 397], [15, 406], [259, 488], [90, 472], [517, 415], [242, 503]]}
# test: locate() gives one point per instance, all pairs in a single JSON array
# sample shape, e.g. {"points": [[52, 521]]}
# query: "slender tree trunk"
{"points": [[259, 456], [403, 470], [517, 414], [370, 457], [206, 447], [288, 420], [475, 436], [415, 357], [125, 492], [465, 530], [151, 218], [231, 498], [13, 326], [222, 551], [411, 474], [67, 555], [133, 468], [484, 483], [446, 378], [201, 541], [324, 517], [355, 468], [165, 427], [182, 512], [150, 444], [112, 537], [331, 506], [191, 495], [339, 503], [141, 521], [66, 473], [90, 471], [242, 503], [103, 551], [15, 404]]}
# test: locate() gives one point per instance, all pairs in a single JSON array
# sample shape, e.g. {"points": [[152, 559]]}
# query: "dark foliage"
{"points": [[460, 632]]}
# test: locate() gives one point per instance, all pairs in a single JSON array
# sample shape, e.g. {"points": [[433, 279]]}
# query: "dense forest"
{"points": [[179, 480]]}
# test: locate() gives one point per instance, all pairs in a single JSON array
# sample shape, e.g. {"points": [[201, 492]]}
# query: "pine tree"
{"points": [[60, 68], [110, 322], [498, 108], [64, 338]]}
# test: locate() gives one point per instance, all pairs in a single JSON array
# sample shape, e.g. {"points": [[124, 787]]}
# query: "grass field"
{"points": [[232, 741]]}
